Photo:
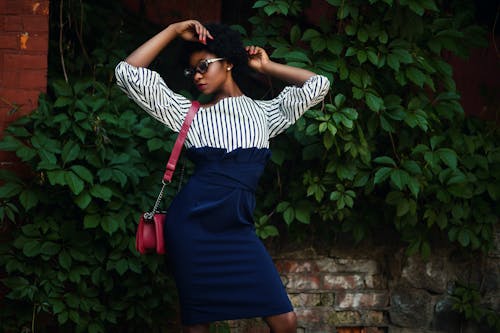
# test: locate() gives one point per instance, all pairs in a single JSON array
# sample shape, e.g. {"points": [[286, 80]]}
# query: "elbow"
{"points": [[324, 83], [122, 74], [119, 72]]}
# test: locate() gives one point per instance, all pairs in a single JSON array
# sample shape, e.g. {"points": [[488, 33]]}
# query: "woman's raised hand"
{"points": [[259, 61], [193, 31], [257, 58]]}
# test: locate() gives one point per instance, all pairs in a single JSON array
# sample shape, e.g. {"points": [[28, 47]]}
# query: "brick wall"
{"points": [[330, 294], [24, 35], [378, 289]]}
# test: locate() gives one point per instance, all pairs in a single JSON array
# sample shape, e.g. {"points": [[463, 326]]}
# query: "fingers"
{"points": [[253, 50], [202, 32]]}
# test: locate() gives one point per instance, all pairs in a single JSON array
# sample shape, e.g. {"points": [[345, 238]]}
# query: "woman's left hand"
{"points": [[257, 58]]}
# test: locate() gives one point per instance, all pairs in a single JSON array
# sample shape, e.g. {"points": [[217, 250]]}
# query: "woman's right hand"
{"points": [[192, 30]]}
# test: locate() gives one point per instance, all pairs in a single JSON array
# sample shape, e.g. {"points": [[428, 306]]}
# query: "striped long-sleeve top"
{"points": [[233, 122]]}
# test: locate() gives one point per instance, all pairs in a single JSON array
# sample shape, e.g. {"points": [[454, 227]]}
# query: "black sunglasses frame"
{"points": [[201, 68]]}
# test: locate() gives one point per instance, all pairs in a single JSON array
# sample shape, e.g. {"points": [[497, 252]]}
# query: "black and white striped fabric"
{"points": [[234, 122]]}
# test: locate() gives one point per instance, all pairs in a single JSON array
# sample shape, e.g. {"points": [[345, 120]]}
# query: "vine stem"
{"points": [[339, 25], [61, 25], [394, 147], [79, 34], [33, 319]]}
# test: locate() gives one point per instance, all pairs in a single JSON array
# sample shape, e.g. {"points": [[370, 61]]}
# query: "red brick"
{"points": [[305, 299], [9, 40], [318, 314], [13, 23], [303, 282], [330, 265], [34, 79], [26, 100], [11, 7], [38, 42], [375, 282], [292, 266], [10, 79], [332, 281], [40, 7], [38, 23], [25, 61]]}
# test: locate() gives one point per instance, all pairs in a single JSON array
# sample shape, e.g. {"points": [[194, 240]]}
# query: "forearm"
{"points": [[147, 52], [287, 73]]}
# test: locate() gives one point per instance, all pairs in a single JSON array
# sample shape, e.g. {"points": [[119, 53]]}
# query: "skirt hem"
{"points": [[235, 317]]}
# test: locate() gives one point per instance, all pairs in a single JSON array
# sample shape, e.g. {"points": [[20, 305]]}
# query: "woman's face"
{"points": [[216, 74]]}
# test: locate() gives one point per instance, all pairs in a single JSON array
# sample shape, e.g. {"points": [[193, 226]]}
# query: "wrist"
{"points": [[173, 28], [267, 67]]}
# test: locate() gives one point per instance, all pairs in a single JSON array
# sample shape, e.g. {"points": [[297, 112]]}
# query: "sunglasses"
{"points": [[201, 68]]}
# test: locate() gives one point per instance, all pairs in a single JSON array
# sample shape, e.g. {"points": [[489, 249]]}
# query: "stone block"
{"points": [[411, 308], [432, 275], [445, 318]]}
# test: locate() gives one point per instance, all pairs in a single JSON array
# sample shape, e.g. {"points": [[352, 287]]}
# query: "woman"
{"points": [[222, 270]]}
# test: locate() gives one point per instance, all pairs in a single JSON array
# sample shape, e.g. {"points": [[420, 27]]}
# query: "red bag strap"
{"points": [[176, 151]]}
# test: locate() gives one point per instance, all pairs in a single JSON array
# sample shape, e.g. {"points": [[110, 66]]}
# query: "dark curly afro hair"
{"points": [[226, 44]]}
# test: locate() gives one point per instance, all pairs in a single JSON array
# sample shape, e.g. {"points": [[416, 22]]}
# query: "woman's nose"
{"points": [[197, 75]]}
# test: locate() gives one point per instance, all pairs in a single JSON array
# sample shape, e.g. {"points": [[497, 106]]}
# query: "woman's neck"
{"points": [[230, 90]]}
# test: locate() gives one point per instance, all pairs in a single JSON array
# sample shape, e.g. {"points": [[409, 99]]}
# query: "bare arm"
{"points": [[259, 61], [191, 30]]}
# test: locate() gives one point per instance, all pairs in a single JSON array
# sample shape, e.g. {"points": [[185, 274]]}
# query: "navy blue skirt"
{"points": [[221, 268]]}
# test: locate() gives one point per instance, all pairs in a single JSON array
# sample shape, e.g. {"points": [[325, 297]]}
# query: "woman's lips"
{"points": [[201, 86]]}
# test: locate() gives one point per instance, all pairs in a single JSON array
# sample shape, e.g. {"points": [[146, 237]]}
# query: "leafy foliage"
{"points": [[467, 301], [95, 163], [390, 147]]}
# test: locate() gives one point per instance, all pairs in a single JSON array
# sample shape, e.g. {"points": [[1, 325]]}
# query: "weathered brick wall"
{"points": [[378, 289], [24, 35], [331, 291]]}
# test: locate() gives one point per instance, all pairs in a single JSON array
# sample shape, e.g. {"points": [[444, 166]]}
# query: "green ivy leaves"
{"points": [[91, 165], [392, 127]]}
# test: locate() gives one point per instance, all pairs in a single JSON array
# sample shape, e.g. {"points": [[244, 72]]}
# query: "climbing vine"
{"points": [[390, 148]]}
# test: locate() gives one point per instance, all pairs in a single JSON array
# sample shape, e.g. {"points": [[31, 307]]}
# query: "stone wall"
{"points": [[374, 289]]}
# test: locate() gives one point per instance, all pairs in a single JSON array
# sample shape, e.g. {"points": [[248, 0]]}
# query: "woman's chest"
{"points": [[230, 128]]}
